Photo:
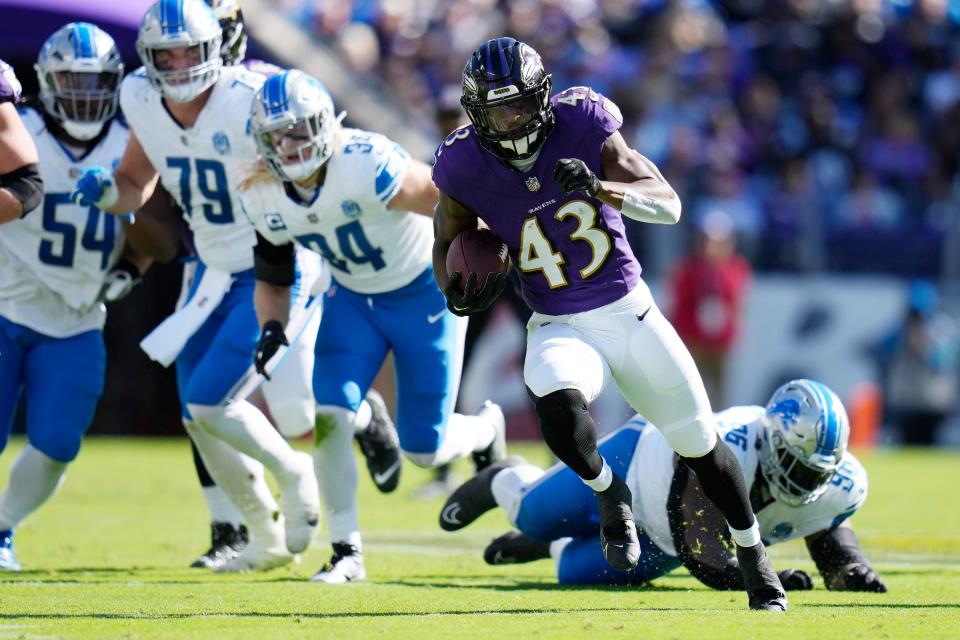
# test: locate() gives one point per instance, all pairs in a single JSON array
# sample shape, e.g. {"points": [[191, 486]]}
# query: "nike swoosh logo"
{"points": [[380, 478], [433, 318], [451, 513], [498, 557], [644, 314]]}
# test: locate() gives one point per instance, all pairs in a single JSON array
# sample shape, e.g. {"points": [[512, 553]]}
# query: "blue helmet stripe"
{"points": [[275, 94], [829, 438], [171, 16], [83, 40]]}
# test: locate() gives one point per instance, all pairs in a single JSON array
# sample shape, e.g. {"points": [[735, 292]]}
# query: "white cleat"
{"points": [[497, 450], [342, 567], [255, 557], [300, 496]]}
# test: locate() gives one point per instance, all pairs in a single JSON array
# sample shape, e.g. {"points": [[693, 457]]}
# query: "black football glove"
{"points": [[574, 176], [271, 339], [795, 580], [857, 577], [470, 301]]}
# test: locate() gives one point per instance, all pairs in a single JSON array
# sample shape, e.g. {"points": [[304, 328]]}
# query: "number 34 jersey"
{"points": [[370, 248], [53, 260], [200, 166]]}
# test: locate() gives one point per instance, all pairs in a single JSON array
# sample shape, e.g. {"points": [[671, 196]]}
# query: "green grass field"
{"points": [[105, 559]]}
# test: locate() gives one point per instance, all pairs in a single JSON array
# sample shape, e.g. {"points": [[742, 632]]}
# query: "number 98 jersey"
{"points": [[53, 261], [200, 166], [370, 248]]}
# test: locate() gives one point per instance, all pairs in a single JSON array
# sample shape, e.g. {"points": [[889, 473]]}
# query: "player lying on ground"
{"points": [[552, 177], [360, 201], [188, 119], [57, 268], [803, 483]]}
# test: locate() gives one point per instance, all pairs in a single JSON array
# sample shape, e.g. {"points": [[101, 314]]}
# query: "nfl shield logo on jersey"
{"points": [[221, 143], [274, 221], [533, 184]]}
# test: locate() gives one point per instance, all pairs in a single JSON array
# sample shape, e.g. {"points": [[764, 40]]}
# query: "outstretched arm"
{"points": [[630, 183], [21, 187], [417, 193], [155, 230], [840, 561], [124, 190]]}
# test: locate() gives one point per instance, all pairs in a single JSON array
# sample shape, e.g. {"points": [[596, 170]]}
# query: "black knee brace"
{"points": [[569, 431]]}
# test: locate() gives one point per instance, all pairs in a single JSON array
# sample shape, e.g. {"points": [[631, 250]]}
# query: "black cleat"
{"points": [[514, 547], [618, 531], [764, 591], [473, 498], [226, 541], [497, 450], [380, 446]]}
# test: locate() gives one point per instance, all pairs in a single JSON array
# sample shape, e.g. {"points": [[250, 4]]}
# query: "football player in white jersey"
{"points": [[360, 201], [188, 119], [57, 268], [803, 483]]}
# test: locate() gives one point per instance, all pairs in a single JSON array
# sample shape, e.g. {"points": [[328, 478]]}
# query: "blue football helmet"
{"points": [[806, 431]]}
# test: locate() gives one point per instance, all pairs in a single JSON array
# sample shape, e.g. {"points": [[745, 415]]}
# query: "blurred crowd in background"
{"points": [[828, 131]]}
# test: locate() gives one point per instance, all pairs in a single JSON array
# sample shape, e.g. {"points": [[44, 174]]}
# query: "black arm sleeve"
{"points": [[26, 185], [274, 264], [833, 550], [700, 533]]}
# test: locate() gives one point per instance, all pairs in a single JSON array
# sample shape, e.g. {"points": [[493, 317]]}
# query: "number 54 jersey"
{"points": [[53, 260], [370, 248], [200, 166]]}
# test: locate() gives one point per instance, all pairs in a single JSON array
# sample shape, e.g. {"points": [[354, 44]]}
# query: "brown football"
{"points": [[477, 251]]}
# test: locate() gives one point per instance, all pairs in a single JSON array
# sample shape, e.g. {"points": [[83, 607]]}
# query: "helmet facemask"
{"points": [[183, 85], [296, 150], [512, 126], [82, 102], [791, 479]]}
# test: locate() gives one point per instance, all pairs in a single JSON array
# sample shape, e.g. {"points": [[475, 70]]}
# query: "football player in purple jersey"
{"points": [[552, 177], [21, 187]]}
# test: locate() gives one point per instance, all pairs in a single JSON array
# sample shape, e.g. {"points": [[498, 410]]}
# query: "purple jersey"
{"points": [[571, 251], [263, 68], [9, 85]]}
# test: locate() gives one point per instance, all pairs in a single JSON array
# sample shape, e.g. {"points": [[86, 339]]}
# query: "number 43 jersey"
{"points": [[571, 250], [370, 248], [53, 260], [200, 166]]}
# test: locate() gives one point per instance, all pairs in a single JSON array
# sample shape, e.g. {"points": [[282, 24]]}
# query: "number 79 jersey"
{"points": [[53, 260], [200, 166], [571, 250], [370, 248]]}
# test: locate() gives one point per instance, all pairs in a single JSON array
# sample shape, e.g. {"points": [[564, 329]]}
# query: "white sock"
{"points": [[746, 537], [556, 550], [244, 427], [462, 436], [361, 419], [241, 480], [220, 507], [336, 469], [510, 485], [34, 476], [603, 481]]}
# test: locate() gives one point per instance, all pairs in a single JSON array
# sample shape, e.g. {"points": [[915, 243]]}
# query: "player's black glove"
{"points": [[574, 176], [795, 580], [271, 339], [857, 577], [470, 301]]}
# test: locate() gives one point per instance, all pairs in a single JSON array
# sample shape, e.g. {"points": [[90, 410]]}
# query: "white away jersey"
{"points": [[651, 472], [200, 166], [53, 260], [370, 249]]}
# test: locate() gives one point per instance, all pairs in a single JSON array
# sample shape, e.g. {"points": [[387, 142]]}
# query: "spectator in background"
{"points": [[708, 288], [921, 363]]}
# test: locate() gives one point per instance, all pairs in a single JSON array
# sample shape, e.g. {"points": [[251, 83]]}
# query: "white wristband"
{"points": [[646, 209]]}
